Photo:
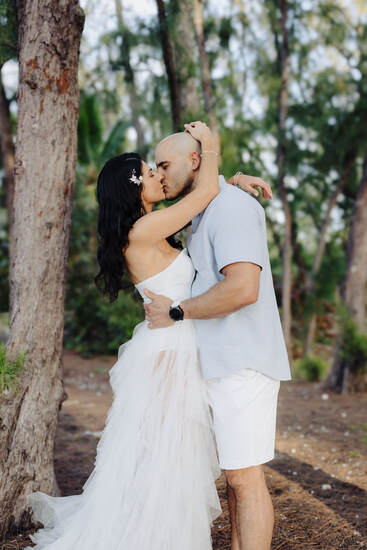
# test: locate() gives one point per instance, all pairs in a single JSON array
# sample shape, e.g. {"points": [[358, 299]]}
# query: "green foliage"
{"points": [[353, 344], [92, 148], [89, 128], [225, 31], [9, 371], [311, 368], [114, 143], [8, 31], [332, 269]]}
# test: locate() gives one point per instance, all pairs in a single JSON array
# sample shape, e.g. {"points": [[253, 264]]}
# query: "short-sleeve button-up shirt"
{"points": [[233, 229]]}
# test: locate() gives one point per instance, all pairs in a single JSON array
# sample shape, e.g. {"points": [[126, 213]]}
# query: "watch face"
{"points": [[176, 313]]}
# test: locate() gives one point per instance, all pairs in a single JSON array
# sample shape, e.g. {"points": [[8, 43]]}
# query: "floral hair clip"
{"points": [[134, 179]]}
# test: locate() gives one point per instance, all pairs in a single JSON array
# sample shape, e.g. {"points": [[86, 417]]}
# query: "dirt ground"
{"points": [[317, 480]]}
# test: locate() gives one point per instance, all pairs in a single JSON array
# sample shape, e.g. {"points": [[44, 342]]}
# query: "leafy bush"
{"points": [[9, 371], [311, 368], [353, 345]]}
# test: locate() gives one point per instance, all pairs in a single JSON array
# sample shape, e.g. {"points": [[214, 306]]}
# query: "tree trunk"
{"points": [[353, 291], [206, 78], [283, 62], [185, 59], [7, 155], [344, 178], [168, 56], [45, 158], [130, 80]]}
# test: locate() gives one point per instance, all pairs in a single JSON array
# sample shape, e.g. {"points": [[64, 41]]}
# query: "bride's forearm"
{"points": [[208, 173]]}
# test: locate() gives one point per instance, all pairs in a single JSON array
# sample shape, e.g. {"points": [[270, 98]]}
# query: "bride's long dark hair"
{"points": [[120, 206]]}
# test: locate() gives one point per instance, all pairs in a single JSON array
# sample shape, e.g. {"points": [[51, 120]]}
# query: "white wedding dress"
{"points": [[153, 484]]}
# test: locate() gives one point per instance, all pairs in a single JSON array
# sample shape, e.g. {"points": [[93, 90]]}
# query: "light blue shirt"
{"points": [[233, 229]]}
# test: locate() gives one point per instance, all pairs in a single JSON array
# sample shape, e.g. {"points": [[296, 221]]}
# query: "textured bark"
{"points": [[7, 156], [353, 291], [206, 78], [186, 58], [348, 167], [283, 62], [45, 158], [130, 79], [168, 56]]}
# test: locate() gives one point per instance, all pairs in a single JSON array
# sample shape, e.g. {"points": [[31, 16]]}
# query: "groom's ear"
{"points": [[196, 160]]}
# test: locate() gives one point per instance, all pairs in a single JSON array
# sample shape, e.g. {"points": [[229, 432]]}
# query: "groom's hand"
{"points": [[156, 312]]}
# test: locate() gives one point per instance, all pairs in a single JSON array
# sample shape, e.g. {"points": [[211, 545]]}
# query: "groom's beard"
{"points": [[181, 192]]}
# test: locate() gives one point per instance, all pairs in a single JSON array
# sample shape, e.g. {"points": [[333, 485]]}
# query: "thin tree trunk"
{"points": [[45, 158], [130, 79], [206, 78], [7, 156], [283, 62], [310, 337], [186, 59], [353, 291], [168, 56], [348, 167]]}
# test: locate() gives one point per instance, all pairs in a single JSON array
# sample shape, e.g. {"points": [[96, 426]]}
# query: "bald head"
{"points": [[177, 159], [180, 143]]}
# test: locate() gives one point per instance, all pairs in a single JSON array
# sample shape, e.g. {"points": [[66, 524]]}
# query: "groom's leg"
{"points": [[235, 541], [254, 519], [244, 406]]}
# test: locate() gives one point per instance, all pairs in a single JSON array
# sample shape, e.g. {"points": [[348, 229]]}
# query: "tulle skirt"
{"points": [[153, 484]]}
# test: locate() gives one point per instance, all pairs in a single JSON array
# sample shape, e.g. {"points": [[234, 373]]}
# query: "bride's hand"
{"points": [[249, 183], [200, 131]]}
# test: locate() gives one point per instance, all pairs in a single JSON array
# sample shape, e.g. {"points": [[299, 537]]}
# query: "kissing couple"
{"points": [[195, 389]]}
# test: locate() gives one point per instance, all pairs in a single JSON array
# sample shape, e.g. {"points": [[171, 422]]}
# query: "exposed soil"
{"points": [[317, 480]]}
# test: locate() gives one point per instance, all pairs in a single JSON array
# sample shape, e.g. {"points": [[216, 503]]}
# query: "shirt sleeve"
{"points": [[237, 231]]}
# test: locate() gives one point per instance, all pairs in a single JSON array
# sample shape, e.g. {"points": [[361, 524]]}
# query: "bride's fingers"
{"points": [[250, 188], [266, 189], [150, 294]]}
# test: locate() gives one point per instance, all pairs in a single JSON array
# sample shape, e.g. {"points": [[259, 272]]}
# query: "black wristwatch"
{"points": [[176, 312]]}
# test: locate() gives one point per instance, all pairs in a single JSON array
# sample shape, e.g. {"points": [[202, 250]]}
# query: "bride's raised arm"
{"points": [[159, 224]]}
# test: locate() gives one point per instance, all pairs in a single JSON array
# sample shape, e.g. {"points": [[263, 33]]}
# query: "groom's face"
{"points": [[176, 169]]}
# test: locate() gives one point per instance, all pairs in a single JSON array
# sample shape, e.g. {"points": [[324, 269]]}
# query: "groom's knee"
{"points": [[245, 479]]}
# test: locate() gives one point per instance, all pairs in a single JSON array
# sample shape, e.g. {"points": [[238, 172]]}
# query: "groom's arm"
{"points": [[239, 288]]}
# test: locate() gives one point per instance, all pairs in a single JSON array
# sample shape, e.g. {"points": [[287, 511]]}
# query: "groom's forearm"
{"points": [[220, 300]]}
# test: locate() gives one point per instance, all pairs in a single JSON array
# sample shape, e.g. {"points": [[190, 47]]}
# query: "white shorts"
{"points": [[244, 408]]}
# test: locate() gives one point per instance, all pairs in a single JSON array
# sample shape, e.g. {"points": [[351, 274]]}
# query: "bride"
{"points": [[153, 484]]}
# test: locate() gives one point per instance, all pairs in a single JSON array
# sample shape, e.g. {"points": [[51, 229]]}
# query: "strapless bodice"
{"points": [[174, 281]]}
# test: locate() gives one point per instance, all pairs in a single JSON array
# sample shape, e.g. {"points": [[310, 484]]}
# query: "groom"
{"points": [[242, 350]]}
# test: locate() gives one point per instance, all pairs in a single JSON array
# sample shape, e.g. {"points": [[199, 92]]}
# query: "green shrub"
{"points": [[93, 325], [353, 345], [9, 371], [311, 368]]}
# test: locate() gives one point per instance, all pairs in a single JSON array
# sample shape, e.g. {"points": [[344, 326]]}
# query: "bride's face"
{"points": [[152, 185]]}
